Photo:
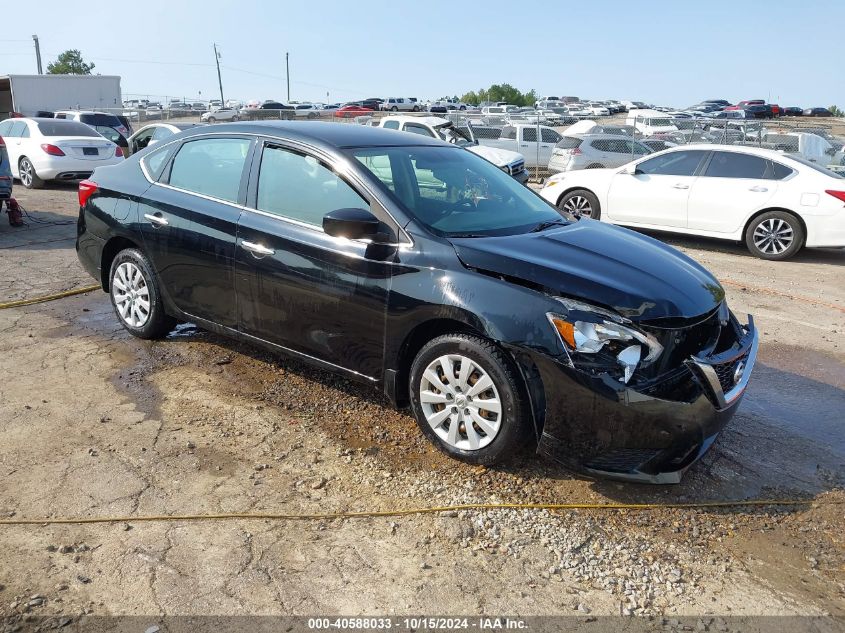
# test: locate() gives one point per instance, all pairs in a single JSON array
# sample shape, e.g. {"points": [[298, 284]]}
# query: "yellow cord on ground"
{"points": [[329, 516], [45, 298]]}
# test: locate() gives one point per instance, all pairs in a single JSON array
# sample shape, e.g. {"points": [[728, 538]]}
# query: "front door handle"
{"points": [[156, 219], [680, 186], [257, 249], [758, 189]]}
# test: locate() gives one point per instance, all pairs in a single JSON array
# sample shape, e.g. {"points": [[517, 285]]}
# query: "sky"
{"points": [[664, 53]]}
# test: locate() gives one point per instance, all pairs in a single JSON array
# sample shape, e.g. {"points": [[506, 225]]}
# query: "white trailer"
{"points": [[30, 94]]}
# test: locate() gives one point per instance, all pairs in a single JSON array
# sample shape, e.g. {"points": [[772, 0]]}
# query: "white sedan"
{"points": [[55, 149], [220, 114], [777, 203]]}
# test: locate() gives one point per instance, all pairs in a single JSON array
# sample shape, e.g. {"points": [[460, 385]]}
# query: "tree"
{"points": [[835, 111], [69, 63], [501, 92]]}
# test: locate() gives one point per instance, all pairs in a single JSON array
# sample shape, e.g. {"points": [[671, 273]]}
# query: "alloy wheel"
{"points": [[773, 236], [578, 206], [26, 170], [131, 294], [460, 402]]}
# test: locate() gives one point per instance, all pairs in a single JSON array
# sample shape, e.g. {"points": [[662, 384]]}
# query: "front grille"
{"points": [[725, 372]]}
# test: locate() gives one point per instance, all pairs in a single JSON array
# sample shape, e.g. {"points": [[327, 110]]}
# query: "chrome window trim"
{"points": [[310, 149]]}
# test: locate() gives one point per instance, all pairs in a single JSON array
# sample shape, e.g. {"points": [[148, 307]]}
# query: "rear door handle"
{"points": [[758, 189], [257, 249], [156, 219], [680, 186]]}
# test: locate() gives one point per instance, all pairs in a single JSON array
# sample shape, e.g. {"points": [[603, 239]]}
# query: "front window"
{"points": [[455, 193], [672, 163], [299, 187]]}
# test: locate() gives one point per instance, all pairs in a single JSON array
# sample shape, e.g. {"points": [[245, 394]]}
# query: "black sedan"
{"points": [[818, 112], [421, 269]]}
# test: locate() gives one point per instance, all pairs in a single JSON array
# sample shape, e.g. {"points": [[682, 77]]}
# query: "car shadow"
{"points": [[834, 256], [786, 440], [42, 230]]}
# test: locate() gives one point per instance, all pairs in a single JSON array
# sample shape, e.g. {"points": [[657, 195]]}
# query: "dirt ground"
{"points": [[96, 423]]}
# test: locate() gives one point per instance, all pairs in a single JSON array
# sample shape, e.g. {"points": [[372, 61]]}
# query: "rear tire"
{"points": [[211, 119], [580, 203], [774, 235], [467, 419], [27, 175], [136, 297]]}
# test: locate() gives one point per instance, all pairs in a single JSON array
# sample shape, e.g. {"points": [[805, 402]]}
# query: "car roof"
{"points": [[328, 135], [434, 121], [743, 149]]}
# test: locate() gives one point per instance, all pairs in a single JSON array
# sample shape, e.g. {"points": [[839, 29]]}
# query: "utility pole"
{"points": [[287, 72], [37, 53], [219, 78]]}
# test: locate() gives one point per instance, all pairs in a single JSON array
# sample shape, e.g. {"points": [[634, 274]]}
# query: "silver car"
{"points": [[593, 151]]}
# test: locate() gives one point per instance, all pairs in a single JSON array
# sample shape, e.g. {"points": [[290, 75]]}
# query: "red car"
{"points": [[349, 111]]}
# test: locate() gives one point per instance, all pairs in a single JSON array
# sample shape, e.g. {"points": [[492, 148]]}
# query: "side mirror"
{"points": [[352, 224]]}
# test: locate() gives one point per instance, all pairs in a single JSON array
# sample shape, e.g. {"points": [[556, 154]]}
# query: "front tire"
{"points": [[27, 175], [581, 203], [135, 296], [467, 398], [775, 235]]}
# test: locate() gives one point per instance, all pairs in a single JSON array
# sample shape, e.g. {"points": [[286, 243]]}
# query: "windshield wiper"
{"points": [[547, 224], [467, 235]]}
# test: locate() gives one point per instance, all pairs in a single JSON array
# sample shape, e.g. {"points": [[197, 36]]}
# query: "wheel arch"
{"points": [[757, 214], [426, 331], [110, 251], [576, 188]]}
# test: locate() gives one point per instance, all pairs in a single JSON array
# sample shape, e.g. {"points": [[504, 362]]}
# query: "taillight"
{"points": [[118, 152], [86, 190], [52, 150], [576, 151], [2, 142], [839, 195]]}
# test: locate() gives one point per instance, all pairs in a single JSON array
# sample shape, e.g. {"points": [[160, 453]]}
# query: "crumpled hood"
{"points": [[498, 157], [636, 275]]}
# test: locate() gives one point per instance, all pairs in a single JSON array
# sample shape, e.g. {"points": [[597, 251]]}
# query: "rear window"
{"points": [[109, 120], [65, 128], [569, 142]]}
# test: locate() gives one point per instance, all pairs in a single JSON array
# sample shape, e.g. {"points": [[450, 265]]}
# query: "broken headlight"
{"points": [[600, 341]]}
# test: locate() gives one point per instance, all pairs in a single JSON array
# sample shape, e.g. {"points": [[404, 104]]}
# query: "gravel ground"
{"points": [[96, 423]]}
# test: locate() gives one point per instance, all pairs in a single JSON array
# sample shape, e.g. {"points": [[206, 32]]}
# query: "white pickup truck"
{"points": [[507, 160], [524, 139]]}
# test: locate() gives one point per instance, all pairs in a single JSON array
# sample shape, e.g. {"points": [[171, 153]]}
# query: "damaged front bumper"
{"points": [[607, 429]]}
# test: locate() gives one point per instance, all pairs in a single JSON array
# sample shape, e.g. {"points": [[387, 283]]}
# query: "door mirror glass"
{"points": [[353, 224]]}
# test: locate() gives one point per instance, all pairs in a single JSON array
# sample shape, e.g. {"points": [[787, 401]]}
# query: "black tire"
{"points": [[774, 235], [394, 109], [514, 418], [27, 175], [416, 108], [158, 323], [211, 119], [571, 204]]}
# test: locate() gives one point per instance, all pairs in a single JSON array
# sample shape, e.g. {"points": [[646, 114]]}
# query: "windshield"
{"points": [[450, 134], [455, 193]]}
